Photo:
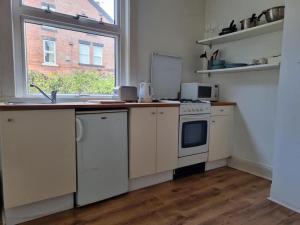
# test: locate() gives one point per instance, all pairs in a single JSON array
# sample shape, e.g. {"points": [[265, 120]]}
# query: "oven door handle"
{"points": [[194, 118]]}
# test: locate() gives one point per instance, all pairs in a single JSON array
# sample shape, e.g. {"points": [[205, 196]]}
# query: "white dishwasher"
{"points": [[102, 155]]}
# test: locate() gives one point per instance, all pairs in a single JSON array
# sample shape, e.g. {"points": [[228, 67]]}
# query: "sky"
{"points": [[108, 6]]}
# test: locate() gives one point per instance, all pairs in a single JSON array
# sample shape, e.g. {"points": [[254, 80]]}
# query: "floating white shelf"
{"points": [[248, 33], [241, 69]]}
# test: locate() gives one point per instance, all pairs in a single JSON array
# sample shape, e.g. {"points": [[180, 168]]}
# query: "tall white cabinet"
{"points": [[153, 140]]}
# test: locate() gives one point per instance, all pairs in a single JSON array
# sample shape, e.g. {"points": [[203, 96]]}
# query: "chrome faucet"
{"points": [[53, 94]]}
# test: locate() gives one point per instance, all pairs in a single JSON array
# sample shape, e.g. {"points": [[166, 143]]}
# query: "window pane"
{"points": [[68, 75], [49, 52], [98, 52], [84, 59], [47, 57], [94, 9], [49, 46], [84, 51], [51, 58], [98, 61]]}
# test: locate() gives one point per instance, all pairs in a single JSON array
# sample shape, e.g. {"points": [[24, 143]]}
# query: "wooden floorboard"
{"points": [[220, 197]]}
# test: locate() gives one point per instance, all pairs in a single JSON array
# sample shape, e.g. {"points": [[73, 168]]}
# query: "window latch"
{"points": [[80, 16]]}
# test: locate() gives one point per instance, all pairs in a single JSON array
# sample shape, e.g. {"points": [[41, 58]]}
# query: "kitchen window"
{"points": [[49, 52], [65, 62], [105, 10]]}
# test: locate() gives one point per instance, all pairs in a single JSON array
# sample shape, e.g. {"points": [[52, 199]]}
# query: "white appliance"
{"points": [[166, 73], [200, 91], [126, 93], [145, 92], [102, 155], [194, 132]]}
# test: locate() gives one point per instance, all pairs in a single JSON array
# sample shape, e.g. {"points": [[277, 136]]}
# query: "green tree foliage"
{"points": [[79, 82]]}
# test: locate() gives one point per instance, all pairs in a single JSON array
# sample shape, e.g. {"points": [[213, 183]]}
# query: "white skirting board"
{"points": [[215, 165], [254, 168], [37, 210], [282, 203], [147, 181]]}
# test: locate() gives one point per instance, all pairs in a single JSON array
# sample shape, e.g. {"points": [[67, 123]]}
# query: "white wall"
{"points": [[166, 26], [286, 180], [6, 46], [254, 92]]}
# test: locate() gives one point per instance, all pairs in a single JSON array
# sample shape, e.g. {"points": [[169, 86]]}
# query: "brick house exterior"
{"points": [[67, 49]]}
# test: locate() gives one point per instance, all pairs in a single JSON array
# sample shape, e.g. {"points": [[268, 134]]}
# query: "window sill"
{"points": [[91, 65], [60, 99], [51, 65]]}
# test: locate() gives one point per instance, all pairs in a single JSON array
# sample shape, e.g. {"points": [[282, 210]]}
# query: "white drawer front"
{"points": [[221, 110]]}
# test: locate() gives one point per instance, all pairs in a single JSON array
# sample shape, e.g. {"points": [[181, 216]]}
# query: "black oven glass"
{"points": [[194, 134], [204, 92]]}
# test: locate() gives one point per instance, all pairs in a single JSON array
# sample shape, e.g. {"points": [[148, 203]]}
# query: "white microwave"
{"points": [[199, 91]]}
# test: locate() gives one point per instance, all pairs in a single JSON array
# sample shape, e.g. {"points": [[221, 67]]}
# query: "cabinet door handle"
{"points": [[222, 110], [161, 113], [79, 129], [213, 121], [153, 113], [103, 118], [10, 120]]}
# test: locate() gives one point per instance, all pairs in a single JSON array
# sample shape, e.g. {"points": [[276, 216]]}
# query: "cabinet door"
{"points": [[142, 142], [38, 155], [167, 139], [220, 137]]}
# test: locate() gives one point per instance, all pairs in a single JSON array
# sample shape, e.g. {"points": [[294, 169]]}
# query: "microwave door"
{"points": [[204, 92]]}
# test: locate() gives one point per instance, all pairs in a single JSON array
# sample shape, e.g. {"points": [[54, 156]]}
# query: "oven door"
{"points": [[194, 131]]}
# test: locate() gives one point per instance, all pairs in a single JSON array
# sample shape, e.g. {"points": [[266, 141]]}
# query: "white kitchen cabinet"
{"points": [[142, 142], [153, 142], [38, 155], [221, 129], [167, 139]]}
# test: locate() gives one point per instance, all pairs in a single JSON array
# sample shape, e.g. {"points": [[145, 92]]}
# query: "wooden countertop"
{"points": [[94, 106], [82, 106], [223, 104]]}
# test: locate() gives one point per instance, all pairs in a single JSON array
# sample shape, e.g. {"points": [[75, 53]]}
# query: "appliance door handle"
{"points": [[79, 130]]}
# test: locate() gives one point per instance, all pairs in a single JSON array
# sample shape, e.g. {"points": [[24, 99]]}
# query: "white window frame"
{"points": [[98, 56], [23, 14], [49, 52]]}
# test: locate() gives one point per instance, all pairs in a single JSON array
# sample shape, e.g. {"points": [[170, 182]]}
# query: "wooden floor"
{"points": [[221, 197]]}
